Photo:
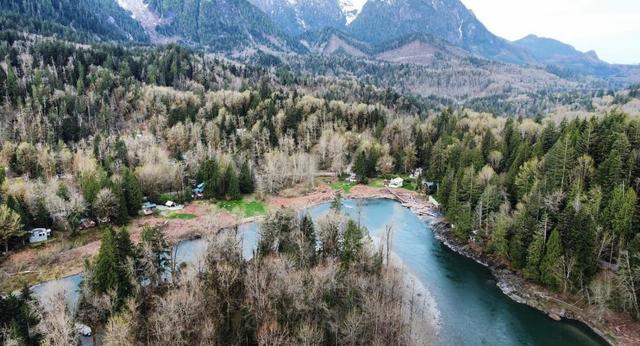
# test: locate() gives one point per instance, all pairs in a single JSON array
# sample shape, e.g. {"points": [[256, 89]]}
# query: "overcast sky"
{"points": [[610, 27]]}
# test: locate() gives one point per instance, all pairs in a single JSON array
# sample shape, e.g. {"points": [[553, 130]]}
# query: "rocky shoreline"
{"points": [[513, 285], [510, 283]]}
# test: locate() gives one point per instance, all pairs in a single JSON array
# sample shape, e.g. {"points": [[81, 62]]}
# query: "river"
{"points": [[472, 309]]}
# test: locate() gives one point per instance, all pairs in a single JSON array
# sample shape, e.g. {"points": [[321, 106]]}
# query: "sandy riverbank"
{"points": [[209, 220], [52, 261]]}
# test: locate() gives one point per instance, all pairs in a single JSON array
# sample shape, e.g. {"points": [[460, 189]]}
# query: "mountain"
{"points": [[333, 41], [296, 17], [450, 20], [351, 9], [221, 24], [421, 49], [101, 19], [425, 32], [565, 57]]}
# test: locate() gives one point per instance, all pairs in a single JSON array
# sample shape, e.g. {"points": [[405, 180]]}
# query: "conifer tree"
{"points": [[499, 243], [13, 89], [10, 225], [336, 202], [360, 167], [121, 152], [550, 273], [133, 192], [233, 191], [487, 144], [558, 162], [534, 256], [583, 245], [352, 243], [610, 172], [154, 256], [110, 271], [620, 215], [209, 175], [308, 229], [452, 203], [19, 319], [246, 179], [121, 216]]}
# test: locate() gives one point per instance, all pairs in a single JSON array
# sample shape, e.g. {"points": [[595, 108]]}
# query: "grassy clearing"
{"points": [[180, 216], [410, 185], [343, 185], [244, 207], [86, 236], [376, 182], [47, 268]]}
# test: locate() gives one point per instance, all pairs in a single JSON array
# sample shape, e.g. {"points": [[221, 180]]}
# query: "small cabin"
{"points": [[198, 191], [353, 178], [147, 208], [38, 235], [148, 205], [396, 183]]}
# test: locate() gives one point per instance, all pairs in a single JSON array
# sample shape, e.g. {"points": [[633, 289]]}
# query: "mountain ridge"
{"points": [[316, 26], [450, 20], [552, 52]]}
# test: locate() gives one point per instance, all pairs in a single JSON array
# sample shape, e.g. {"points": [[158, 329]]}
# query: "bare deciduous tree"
{"points": [[57, 323]]}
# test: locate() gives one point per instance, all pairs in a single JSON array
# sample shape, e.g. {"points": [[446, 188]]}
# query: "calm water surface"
{"points": [[473, 311]]}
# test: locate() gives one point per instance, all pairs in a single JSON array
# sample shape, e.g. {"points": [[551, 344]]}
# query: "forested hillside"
{"points": [[98, 19], [557, 201], [221, 24], [89, 131]]}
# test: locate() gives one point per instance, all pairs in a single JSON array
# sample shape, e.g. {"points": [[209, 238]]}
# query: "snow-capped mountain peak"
{"points": [[351, 8]]}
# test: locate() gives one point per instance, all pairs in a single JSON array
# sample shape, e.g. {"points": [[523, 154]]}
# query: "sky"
{"points": [[610, 27]]}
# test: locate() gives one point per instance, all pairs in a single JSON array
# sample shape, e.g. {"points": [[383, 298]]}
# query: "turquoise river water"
{"points": [[472, 309]]}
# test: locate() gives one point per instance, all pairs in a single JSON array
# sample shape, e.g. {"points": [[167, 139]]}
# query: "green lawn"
{"points": [[180, 216], [244, 207], [165, 197], [343, 185], [376, 182], [410, 185]]}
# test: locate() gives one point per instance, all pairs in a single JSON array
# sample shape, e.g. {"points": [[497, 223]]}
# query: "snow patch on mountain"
{"points": [[351, 8], [148, 19]]}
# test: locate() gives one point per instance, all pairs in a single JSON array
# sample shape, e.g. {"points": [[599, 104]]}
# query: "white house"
{"points": [[396, 183], [37, 235]]}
